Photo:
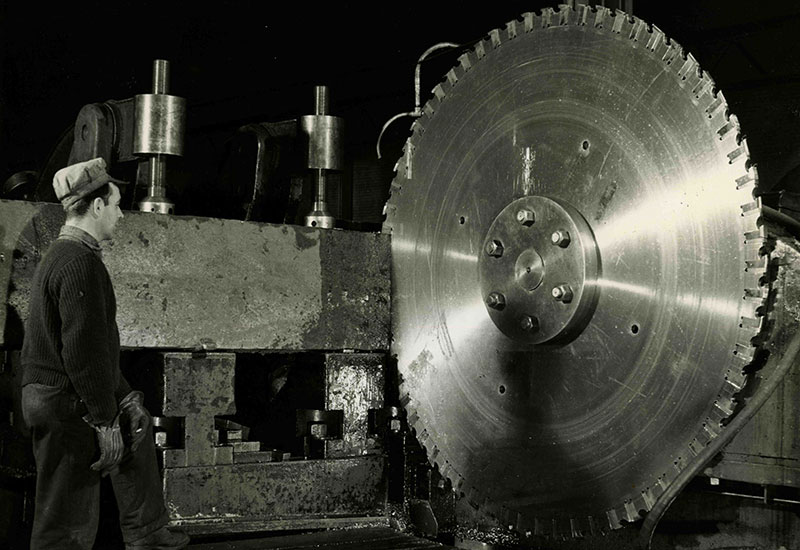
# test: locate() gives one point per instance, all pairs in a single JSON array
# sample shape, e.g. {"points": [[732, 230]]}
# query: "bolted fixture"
{"points": [[525, 216], [529, 323], [494, 248], [562, 293], [560, 238], [496, 300]]}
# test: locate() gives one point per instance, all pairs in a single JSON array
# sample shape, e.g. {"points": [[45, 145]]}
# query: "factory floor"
{"points": [[371, 538]]}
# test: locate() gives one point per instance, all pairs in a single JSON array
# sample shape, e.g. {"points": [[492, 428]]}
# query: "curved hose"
{"points": [[754, 404]]}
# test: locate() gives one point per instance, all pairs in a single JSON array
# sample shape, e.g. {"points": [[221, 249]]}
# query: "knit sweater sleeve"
{"points": [[86, 353]]}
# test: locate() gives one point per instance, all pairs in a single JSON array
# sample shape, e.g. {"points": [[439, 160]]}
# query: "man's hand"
{"points": [[109, 438], [137, 417]]}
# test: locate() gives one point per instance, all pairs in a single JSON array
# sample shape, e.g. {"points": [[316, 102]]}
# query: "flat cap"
{"points": [[76, 181]]}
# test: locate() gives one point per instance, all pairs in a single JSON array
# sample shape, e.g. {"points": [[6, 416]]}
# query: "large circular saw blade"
{"points": [[561, 386]]}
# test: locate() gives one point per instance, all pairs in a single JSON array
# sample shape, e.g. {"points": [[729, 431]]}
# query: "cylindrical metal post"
{"points": [[321, 104], [324, 133], [160, 76], [159, 130]]}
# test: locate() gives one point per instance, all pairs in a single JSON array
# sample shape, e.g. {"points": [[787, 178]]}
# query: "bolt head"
{"points": [[525, 217], [529, 323], [496, 300], [560, 238], [494, 248], [563, 293]]}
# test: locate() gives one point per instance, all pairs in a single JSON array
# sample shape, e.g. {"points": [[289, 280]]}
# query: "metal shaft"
{"points": [[158, 168], [321, 101], [160, 76]]}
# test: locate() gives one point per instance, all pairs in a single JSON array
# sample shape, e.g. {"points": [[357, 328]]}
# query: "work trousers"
{"points": [[67, 507]]}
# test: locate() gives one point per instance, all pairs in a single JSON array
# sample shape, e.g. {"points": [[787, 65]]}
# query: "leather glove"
{"points": [[137, 417], [109, 439]]}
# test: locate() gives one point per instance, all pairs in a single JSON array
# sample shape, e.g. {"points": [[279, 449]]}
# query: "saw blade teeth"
{"points": [[680, 463], [737, 154], [648, 498], [405, 399], [696, 446], [715, 106], [634, 507], [418, 126], [749, 179], [655, 39], [744, 349], [704, 86], [465, 61], [494, 38], [511, 29], [583, 14], [670, 53], [726, 130], [638, 30], [547, 17], [567, 15], [453, 75], [480, 50], [439, 92], [575, 528], [595, 527], [688, 70], [725, 405], [733, 386], [528, 21], [620, 18], [602, 16], [711, 428], [613, 519], [752, 208]]}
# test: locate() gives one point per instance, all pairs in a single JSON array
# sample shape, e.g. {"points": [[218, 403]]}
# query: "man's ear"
{"points": [[97, 203]]}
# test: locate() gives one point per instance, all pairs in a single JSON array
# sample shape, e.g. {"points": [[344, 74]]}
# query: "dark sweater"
{"points": [[71, 336]]}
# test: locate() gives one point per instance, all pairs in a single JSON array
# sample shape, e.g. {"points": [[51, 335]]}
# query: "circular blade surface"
{"points": [[604, 114]]}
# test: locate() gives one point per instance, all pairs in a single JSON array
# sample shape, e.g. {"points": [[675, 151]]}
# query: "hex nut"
{"points": [[496, 300], [525, 216], [529, 323], [563, 293], [560, 238], [494, 248]]}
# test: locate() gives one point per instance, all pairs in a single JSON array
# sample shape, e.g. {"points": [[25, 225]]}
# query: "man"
{"points": [[74, 397]]}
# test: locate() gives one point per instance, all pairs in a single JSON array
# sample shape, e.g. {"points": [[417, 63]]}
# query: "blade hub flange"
{"points": [[541, 259]]}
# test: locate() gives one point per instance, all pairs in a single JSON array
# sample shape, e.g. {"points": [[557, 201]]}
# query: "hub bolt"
{"points": [[563, 293], [560, 238], [496, 300], [525, 217], [494, 248], [529, 323]]}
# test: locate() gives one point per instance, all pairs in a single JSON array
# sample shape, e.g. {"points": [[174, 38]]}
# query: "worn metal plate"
{"points": [[354, 384], [279, 490], [185, 282]]}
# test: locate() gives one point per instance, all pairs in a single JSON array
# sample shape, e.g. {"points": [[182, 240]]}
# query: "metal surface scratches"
{"points": [[575, 217]]}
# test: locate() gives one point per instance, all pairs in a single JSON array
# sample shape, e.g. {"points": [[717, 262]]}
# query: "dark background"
{"points": [[240, 62]]}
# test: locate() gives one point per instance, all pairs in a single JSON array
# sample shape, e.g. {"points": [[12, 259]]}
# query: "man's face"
{"points": [[110, 214]]}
